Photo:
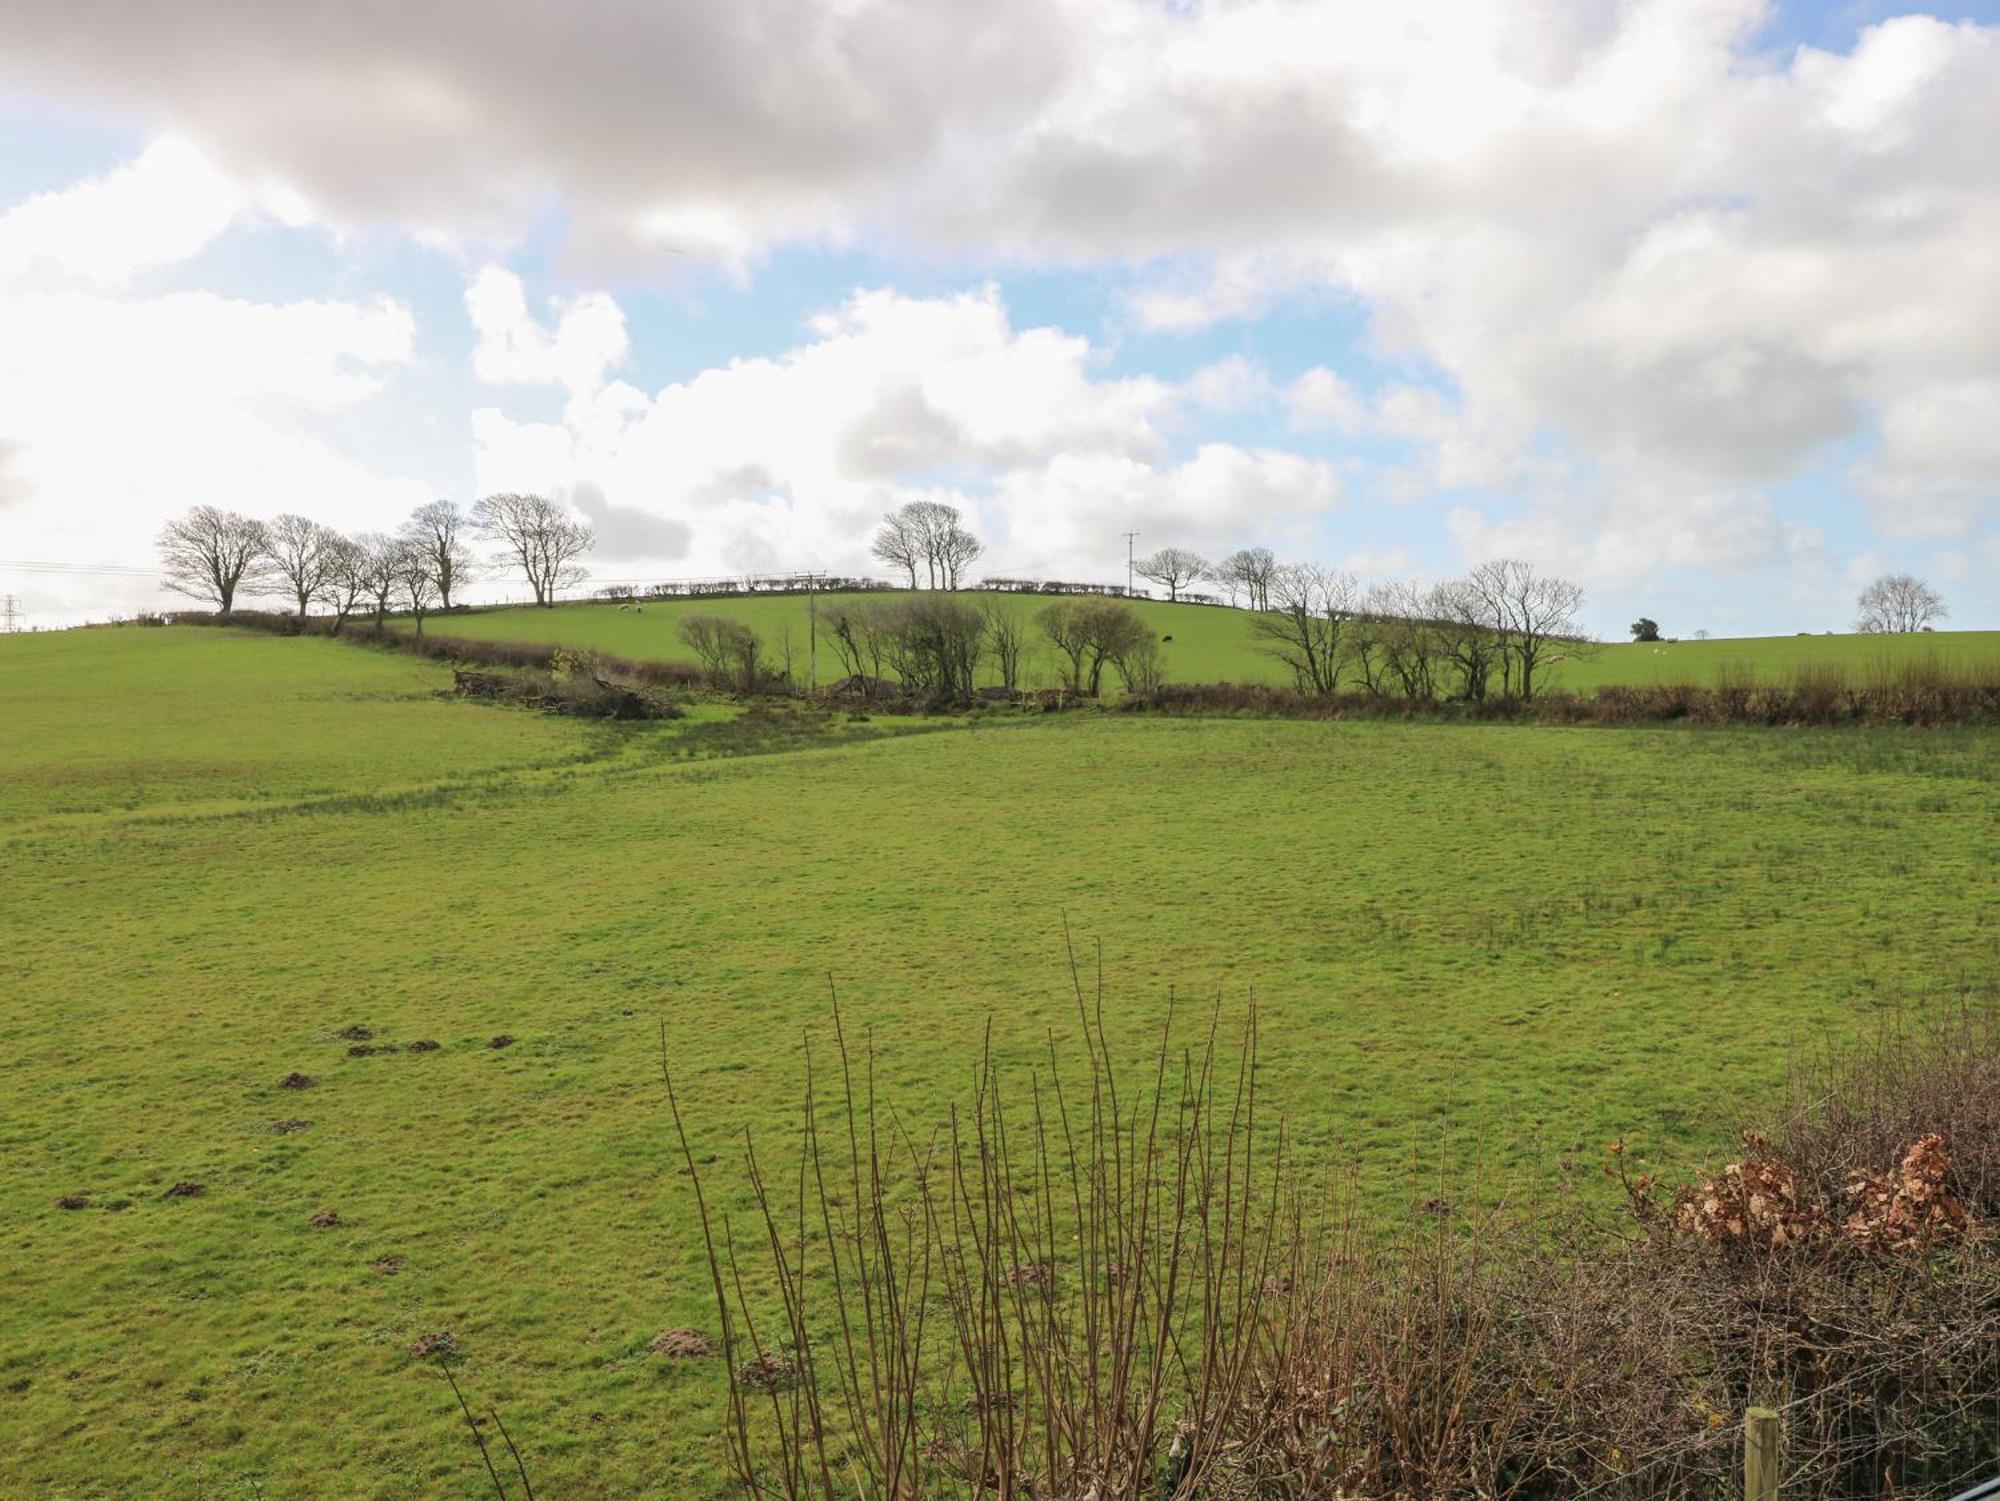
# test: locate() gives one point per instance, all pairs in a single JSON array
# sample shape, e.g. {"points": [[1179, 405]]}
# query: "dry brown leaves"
{"points": [[1753, 1202], [1910, 1209], [1757, 1202]]}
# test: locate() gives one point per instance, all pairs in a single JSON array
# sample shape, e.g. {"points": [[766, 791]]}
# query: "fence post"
{"points": [[1760, 1455]]}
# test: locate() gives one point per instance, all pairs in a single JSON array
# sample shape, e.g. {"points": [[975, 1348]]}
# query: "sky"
{"points": [[1695, 301]]}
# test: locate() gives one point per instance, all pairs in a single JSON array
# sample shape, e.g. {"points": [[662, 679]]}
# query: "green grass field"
{"points": [[1481, 946], [1214, 644]]}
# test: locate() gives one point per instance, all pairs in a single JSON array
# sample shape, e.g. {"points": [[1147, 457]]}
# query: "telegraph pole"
{"points": [[10, 615], [812, 626], [1130, 538]]}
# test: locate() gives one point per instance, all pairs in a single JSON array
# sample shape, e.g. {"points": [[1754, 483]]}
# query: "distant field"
{"points": [[1214, 644], [1484, 946], [120, 720]]}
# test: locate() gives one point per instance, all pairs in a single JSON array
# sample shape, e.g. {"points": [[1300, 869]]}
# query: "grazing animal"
{"points": [[1165, 639], [623, 608]]}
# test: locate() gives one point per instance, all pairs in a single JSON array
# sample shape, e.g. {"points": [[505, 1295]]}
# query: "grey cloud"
{"points": [[741, 482], [627, 532], [1622, 223], [464, 114], [899, 434]]}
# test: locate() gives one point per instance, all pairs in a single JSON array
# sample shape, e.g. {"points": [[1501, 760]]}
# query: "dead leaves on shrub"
{"points": [[1754, 1202], [1910, 1209], [1758, 1203]]}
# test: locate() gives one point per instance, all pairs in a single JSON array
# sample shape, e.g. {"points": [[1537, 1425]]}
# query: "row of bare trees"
{"points": [[1497, 629], [1246, 573], [930, 535], [935, 647], [220, 556]]}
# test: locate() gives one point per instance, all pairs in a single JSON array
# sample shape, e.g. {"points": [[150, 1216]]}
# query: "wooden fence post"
{"points": [[1760, 1455]]}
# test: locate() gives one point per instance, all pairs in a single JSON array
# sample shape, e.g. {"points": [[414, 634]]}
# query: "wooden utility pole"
{"points": [[812, 627], [1130, 538], [1760, 1455]]}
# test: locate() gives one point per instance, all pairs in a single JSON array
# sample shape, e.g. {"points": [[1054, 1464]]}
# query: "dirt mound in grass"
{"points": [[388, 1266], [502, 1041], [288, 1125], [769, 1373], [187, 1188], [355, 1034], [297, 1081], [323, 1219], [682, 1344], [422, 1045], [440, 1346], [75, 1201]]}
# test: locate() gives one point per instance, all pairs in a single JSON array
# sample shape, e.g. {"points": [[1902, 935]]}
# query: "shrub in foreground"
{"points": [[1089, 1283]]}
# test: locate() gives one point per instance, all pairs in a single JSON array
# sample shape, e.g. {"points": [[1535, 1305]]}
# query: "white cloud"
{"points": [[1230, 384], [1626, 264], [118, 409], [588, 342], [1644, 535], [1938, 469], [1321, 399], [792, 459], [159, 209]]}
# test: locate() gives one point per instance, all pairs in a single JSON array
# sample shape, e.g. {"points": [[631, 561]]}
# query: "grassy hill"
{"points": [[1475, 947], [1216, 644]]}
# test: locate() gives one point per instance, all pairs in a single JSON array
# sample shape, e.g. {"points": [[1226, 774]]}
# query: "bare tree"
{"points": [[898, 543], [1087, 633], [936, 644], [1530, 613], [857, 630], [729, 651], [1141, 664], [211, 554], [416, 584], [930, 520], [956, 547], [1899, 602], [785, 653], [1250, 569], [1305, 625], [1173, 569], [1006, 635], [1409, 640], [930, 533], [303, 556], [440, 529], [539, 537], [347, 583], [376, 563], [1465, 637]]}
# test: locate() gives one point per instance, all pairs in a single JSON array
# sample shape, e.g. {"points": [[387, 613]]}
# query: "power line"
{"points": [[108, 570]]}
